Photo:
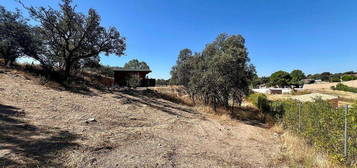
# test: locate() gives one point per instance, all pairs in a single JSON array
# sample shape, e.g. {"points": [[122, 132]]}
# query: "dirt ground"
{"points": [[325, 88], [40, 126]]}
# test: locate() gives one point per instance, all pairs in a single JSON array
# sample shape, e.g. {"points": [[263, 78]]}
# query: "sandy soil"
{"points": [[46, 127]]}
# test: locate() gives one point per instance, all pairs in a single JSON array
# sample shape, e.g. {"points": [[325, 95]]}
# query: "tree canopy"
{"points": [[68, 36], [16, 36], [222, 71], [136, 64], [297, 76], [181, 73], [280, 78]]}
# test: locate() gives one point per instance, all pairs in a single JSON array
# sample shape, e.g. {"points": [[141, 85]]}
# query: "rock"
{"points": [[275, 135], [91, 120], [125, 101], [131, 108], [93, 161]]}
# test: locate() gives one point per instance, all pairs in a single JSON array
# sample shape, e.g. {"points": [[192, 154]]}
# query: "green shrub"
{"points": [[335, 79], [343, 87], [260, 101], [133, 81], [348, 77], [323, 126]]}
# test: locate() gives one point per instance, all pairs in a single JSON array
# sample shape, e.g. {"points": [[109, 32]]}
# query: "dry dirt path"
{"points": [[46, 127]]}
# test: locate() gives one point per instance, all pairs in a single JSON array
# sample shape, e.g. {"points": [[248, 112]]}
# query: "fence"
{"points": [[329, 128]]}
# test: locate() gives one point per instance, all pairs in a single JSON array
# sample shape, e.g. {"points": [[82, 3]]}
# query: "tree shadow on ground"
{"points": [[25, 145], [54, 79], [156, 100], [250, 116]]}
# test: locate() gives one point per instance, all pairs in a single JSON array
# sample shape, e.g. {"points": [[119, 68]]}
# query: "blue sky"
{"points": [[314, 36]]}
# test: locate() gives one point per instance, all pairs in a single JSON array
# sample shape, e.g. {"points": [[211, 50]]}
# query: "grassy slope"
{"points": [[46, 127]]}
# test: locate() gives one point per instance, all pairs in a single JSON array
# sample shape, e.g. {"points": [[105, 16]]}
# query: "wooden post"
{"points": [[299, 117]]}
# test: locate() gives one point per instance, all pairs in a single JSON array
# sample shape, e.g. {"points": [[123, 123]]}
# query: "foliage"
{"points": [[260, 101], [181, 73], [105, 70], [343, 87], [136, 64], [219, 73], [297, 76], [322, 124], [133, 81], [335, 79], [258, 81], [280, 78], [16, 36], [348, 77], [160, 82], [68, 36]]}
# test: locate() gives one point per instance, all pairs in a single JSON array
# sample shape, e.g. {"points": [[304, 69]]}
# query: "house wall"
{"points": [[121, 76]]}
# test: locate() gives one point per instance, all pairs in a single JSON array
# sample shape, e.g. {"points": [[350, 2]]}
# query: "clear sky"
{"points": [[314, 36]]}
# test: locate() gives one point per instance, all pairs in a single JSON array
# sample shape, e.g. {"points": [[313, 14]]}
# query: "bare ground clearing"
{"points": [[46, 127]]}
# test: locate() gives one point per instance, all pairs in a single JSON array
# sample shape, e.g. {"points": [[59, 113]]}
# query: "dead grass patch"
{"points": [[301, 92], [246, 113]]}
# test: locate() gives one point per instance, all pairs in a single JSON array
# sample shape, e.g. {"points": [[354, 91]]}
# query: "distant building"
{"points": [[273, 90], [308, 81], [121, 77], [318, 81]]}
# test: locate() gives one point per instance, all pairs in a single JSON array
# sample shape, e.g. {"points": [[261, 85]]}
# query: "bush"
{"points": [[260, 101], [343, 87], [323, 126], [335, 79], [134, 81], [348, 77]]}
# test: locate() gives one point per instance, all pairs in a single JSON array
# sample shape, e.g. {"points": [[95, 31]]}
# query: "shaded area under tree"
{"points": [[25, 145]]}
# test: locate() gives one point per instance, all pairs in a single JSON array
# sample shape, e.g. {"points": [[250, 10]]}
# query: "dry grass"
{"points": [[295, 152], [344, 97], [247, 112], [43, 127], [327, 85], [301, 92]]}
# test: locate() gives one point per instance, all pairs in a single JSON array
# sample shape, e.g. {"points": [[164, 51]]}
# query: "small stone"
{"points": [[93, 160], [275, 135], [91, 120]]}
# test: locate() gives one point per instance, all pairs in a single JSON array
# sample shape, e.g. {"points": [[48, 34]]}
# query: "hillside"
{"points": [[42, 126], [327, 85], [345, 97]]}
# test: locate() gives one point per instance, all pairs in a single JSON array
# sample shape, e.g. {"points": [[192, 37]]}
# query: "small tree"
{"points": [[220, 73], [69, 36]]}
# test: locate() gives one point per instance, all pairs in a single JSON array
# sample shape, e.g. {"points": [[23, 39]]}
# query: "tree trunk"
{"points": [[67, 70], [8, 62]]}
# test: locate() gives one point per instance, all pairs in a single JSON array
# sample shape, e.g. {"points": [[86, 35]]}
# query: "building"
{"points": [[273, 90], [121, 77]]}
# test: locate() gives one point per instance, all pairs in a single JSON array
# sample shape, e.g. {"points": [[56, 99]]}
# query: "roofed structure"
{"points": [[121, 77]]}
